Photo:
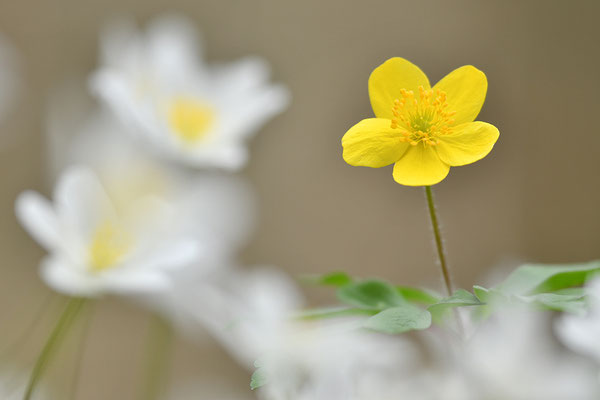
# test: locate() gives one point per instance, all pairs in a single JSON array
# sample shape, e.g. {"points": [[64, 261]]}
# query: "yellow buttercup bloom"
{"points": [[422, 130]]}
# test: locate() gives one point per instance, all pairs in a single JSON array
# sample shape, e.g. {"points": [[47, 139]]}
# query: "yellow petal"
{"points": [[372, 143], [467, 143], [388, 79], [420, 166], [466, 88]]}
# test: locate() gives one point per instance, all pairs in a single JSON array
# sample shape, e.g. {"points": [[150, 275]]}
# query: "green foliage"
{"points": [[391, 309], [333, 312], [335, 279], [400, 319], [536, 278], [417, 295], [259, 377], [370, 294], [574, 304], [459, 298]]}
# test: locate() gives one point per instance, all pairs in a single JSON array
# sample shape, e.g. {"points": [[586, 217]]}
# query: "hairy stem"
{"points": [[438, 240], [441, 255]]}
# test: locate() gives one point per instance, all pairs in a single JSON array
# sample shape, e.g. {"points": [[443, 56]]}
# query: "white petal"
{"points": [[64, 277], [240, 76], [264, 104], [131, 283], [81, 202], [173, 46], [171, 255], [39, 219], [231, 157]]}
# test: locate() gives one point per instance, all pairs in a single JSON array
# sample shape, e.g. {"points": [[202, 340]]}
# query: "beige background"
{"points": [[535, 198]]}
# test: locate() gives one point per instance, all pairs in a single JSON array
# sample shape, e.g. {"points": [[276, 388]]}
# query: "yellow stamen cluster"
{"points": [[108, 246], [424, 119], [190, 119]]}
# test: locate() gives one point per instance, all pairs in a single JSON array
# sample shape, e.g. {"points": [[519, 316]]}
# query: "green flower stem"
{"points": [[157, 359], [440, 251], [65, 321], [438, 240]]}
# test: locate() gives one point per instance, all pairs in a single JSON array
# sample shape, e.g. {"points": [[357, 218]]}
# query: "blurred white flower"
{"points": [[582, 333], [159, 86], [331, 360], [252, 313], [242, 309], [511, 356], [96, 248], [215, 209]]}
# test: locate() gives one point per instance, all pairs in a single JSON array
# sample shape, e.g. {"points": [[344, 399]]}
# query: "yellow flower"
{"points": [[423, 131]]}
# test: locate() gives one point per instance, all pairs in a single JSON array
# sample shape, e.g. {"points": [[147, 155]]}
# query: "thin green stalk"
{"points": [[65, 321], [438, 240], [157, 359], [441, 255]]}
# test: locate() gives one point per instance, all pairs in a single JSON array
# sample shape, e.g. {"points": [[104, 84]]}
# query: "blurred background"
{"points": [[533, 199]]}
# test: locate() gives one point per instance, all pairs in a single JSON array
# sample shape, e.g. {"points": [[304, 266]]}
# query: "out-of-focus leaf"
{"points": [[370, 294], [333, 312], [258, 379], [539, 278], [404, 318], [417, 295], [575, 291], [574, 304], [482, 294], [336, 279], [460, 298]]}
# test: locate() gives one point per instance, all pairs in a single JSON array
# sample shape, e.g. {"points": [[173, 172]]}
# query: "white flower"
{"points": [[93, 247], [216, 209], [158, 85], [582, 333], [331, 360], [253, 314], [512, 356]]}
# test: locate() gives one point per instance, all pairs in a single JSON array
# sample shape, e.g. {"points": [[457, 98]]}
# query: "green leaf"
{"points": [[482, 294], [333, 312], [258, 379], [337, 279], [370, 294], [460, 298], [417, 295], [539, 278], [404, 318], [574, 304], [575, 291]]}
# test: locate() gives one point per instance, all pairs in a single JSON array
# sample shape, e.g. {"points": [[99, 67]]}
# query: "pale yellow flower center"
{"points": [[190, 119], [108, 246], [423, 119]]}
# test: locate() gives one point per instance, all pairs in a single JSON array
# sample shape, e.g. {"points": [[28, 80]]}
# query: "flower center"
{"points": [[108, 246], [190, 119], [423, 119]]}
